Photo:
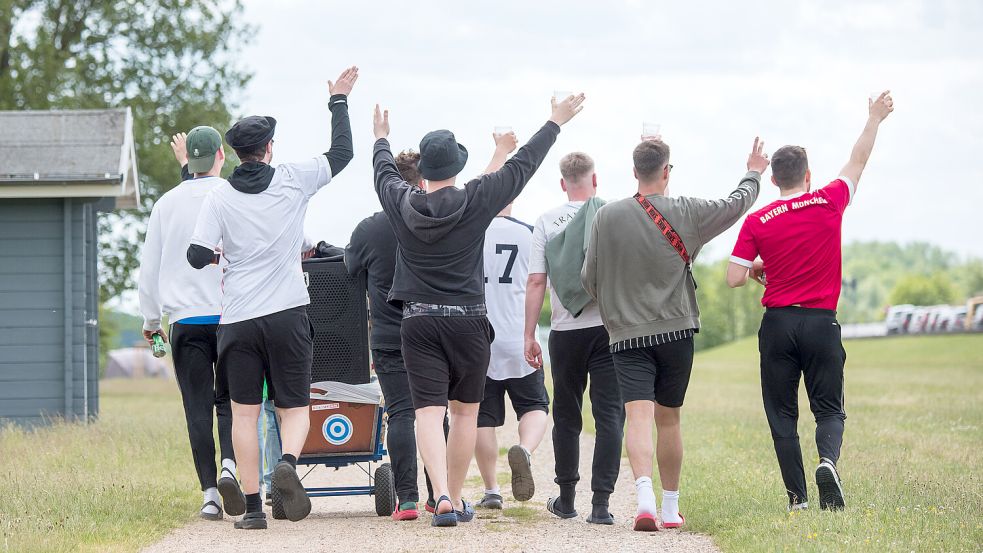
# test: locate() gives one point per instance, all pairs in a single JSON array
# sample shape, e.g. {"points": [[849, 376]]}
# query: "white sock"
{"points": [[670, 506], [229, 465], [646, 496], [211, 494], [496, 490]]}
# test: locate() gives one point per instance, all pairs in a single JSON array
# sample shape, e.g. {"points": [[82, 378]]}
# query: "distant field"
{"points": [[115, 485], [911, 461]]}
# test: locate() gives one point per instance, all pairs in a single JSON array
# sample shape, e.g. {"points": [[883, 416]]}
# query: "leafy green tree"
{"points": [[924, 290], [172, 63]]}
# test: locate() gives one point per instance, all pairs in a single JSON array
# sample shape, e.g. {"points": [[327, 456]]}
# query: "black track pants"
{"points": [[204, 390], [796, 341]]}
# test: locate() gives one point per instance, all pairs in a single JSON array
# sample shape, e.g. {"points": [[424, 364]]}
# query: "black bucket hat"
{"points": [[251, 131], [441, 157]]}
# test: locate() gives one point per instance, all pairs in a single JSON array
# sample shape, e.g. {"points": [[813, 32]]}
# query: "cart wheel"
{"points": [[385, 490], [277, 506]]}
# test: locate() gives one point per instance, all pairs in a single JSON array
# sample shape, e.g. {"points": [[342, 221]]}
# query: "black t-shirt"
{"points": [[373, 249]]}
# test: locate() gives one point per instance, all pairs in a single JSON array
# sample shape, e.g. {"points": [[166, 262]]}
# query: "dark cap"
{"points": [[251, 131], [441, 157]]}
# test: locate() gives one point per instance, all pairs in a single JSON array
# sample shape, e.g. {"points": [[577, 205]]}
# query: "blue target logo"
{"points": [[337, 429]]}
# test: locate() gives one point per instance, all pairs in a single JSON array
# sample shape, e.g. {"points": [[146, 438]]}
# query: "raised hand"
{"points": [[180, 148], [881, 107], [345, 82], [380, 123], [758, 160], [565, 108], [505, 142]]}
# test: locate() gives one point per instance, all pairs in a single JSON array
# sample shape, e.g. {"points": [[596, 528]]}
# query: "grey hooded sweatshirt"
{"points": [[441, 235]]}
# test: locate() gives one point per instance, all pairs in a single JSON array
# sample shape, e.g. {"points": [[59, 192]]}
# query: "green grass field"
{"points": [[114, 485], [910, 461]]}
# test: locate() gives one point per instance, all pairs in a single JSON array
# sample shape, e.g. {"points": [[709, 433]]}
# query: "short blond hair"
{"points": [[575, 166]]}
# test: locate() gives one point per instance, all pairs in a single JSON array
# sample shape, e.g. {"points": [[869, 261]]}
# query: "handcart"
{"points": [[345, 433]]}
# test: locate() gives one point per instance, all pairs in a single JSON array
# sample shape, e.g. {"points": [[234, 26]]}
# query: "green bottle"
{"points": [[158, 346]]}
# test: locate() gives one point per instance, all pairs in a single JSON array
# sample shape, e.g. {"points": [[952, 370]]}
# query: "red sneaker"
{"points": [[675, 524], [406, 511], [646, 523], [431, 507]]}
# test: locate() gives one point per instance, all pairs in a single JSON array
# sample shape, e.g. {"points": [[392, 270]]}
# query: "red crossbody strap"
{"points": [[664, 227]]}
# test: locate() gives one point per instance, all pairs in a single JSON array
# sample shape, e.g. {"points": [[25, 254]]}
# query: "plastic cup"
{"points": [[651, 130], [874, 96], [499, 131], [561, 95]]}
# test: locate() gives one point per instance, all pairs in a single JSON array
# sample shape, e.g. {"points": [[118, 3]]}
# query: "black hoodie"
{"points": [[441, 235]]}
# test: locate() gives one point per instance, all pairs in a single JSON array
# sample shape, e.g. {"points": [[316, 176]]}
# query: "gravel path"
{"points": [[350, 524]]}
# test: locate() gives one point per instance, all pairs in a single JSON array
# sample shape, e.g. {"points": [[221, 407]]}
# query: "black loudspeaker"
{"points": [[339, 315]]}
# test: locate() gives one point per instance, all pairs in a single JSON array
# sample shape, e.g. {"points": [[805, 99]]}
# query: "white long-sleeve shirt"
{"points": [[168, 284]]}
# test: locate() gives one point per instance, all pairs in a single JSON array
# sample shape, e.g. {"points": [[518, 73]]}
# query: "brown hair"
{"points": [[407, 164], [575, 166], [650, 157], [789, 165], [255, 153]]}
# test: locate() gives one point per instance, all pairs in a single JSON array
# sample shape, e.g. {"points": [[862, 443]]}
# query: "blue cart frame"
{"points": [[381, 482]]}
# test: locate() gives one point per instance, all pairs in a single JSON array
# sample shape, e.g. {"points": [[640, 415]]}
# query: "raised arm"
{"points": [[388, 182], [341, 151], [500, 188], [715, 216], [180, 149], [877, 110], [505, 144]]}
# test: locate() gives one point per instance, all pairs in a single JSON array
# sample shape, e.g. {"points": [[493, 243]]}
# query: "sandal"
{"points": [[646, 522], [443, 520], [551, 507], [675, 524], [211, 516]]}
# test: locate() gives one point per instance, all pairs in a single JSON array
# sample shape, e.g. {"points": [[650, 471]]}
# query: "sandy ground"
{"points": [[350, 524]]}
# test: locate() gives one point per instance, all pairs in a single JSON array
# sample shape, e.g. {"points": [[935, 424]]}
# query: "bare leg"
{"points": [[295, 422], [532, 428], [670, 446], [433, 449], [245, 441], [486, 453], [460, 446], [638, 437]]}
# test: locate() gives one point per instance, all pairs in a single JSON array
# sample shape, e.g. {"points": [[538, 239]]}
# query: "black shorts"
{"points": [[527, 393], [446, 358], [275, 348], [655, 373]]}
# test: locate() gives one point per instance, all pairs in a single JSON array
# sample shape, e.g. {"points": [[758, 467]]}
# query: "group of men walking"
{"points": [[456, 286]]}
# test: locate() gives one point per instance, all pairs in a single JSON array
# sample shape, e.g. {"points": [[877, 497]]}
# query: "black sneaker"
{"points": [[828, 482], [490, 501], [251, 521]]}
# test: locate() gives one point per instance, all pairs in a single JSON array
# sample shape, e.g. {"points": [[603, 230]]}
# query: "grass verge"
{"points": [[114, 485], [910, 461]]}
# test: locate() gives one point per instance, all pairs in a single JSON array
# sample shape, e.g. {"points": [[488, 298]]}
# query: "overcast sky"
{"points": [[714, 74]]}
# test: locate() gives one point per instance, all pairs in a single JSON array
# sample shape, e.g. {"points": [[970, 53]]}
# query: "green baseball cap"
{"points": [[202, 144]]}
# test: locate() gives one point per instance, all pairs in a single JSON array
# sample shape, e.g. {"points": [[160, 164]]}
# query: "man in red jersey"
{"points": [[798, 240]]}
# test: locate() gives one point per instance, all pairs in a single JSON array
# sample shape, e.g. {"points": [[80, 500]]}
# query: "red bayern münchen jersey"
{"points": [[798, 239]]}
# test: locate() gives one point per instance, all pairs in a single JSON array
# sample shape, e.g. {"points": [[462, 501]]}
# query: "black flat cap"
{"points": [[251, 131]]}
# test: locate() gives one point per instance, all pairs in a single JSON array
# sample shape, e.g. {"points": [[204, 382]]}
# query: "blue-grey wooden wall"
{"points": [[37, 236]]}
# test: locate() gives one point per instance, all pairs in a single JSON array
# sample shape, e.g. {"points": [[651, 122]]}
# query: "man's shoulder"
{"points": [[517, 223]]}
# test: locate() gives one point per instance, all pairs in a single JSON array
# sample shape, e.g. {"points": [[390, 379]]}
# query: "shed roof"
{"points": [[70, 153]]}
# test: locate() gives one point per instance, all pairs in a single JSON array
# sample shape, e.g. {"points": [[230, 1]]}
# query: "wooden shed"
{"points": [[58, 169]]}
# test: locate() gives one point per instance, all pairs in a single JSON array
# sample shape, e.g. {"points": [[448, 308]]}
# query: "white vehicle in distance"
{"points": [[897, 318]]}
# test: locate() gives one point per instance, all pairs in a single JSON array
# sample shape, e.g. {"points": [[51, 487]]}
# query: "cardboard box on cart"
{"points": [[344, 419]]}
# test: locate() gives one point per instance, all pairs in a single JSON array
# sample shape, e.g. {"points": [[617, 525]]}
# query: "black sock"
{"points": [[567, 500], [254, 504], [600, 512], [290, 459]]}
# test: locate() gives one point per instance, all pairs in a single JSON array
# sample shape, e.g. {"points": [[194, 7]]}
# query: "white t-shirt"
{"points": [[547, 227], [168, 284], [507, 245], [262, 236]]}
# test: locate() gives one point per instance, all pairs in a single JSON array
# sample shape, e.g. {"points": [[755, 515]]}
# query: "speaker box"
{"points": [[339, 315]]}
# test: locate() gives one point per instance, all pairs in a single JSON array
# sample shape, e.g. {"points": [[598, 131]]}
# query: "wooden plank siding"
{"points": [[32, 304]]}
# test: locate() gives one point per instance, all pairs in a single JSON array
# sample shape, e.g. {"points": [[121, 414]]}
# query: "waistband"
{"points": [[799, 310], [415, 309]]}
